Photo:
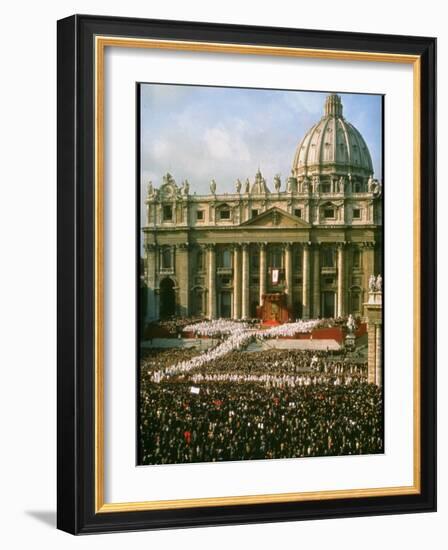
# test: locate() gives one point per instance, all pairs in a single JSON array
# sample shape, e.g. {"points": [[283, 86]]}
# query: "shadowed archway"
{"points": [[167, 299]]}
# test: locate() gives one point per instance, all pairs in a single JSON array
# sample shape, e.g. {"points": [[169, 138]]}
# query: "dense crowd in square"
{"points": [[249, 405], [235, 420]]}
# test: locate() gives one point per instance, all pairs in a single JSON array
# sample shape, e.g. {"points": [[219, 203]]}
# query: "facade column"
{"points": [[211, 282], [341, 285], [183, 277], [288, 274], [245, 282], [236, 283], [151, 252], [157, 264], [306, 281], [368, 266], [316, 282], [262, 272]]}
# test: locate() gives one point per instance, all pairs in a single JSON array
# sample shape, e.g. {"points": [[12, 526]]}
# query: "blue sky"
{"points": [[199, 133]]}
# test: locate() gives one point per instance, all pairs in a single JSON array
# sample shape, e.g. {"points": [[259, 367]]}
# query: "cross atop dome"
{"points": [[333, 105]]}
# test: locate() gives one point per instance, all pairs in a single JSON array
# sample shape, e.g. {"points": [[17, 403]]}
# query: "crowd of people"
{"points": [[174, 325], [233, 336], [290, 329], [289, 362], [225, 403], [238, 340], [154, 359], [230, 420], [216, 328]]}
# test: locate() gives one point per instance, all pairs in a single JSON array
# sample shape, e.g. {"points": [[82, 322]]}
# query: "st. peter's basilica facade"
{"points": [[307, 245]]}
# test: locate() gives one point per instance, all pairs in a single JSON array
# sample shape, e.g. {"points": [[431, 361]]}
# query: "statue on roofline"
{"points": [[185, 188], [277, 182]]}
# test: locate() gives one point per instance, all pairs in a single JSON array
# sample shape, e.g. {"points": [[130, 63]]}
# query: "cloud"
{"points": [[199, 133], [224, 144]]}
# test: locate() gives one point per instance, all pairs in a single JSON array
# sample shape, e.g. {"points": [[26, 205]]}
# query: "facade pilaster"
{"points": [[341, 280], [262, 272], [183, 277], [306, 281], [211, 282], [316, 281], [368, 265], [151, 258], [288, 274], [236, 282], [245, 282]]}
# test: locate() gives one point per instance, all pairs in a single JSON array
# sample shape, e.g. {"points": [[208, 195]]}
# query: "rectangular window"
{"points": [[255, 259], [254, 212], [167, 213], [275, 257], [325, 187], [298, 261], [356, 213], [298, 212], [327, 257], [225, 258], [329, 213], [199, 215], [167, 258], [356, 258], [225, 215]]}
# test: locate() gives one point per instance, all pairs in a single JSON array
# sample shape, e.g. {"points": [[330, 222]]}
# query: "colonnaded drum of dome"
{"points": [[261, 298]]}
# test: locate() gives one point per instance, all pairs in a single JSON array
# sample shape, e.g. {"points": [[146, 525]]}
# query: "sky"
{"points": [[202, 133]]}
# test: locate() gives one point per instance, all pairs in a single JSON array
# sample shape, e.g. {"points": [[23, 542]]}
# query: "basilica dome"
{"points": [[332, 146]]}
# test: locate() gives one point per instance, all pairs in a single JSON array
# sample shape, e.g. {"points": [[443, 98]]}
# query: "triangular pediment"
{"points": [[275, 217]]}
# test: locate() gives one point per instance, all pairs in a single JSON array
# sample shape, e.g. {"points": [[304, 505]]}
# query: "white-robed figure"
{"points": [[351, 324]]}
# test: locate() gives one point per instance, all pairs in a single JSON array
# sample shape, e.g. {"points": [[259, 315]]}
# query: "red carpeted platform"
{"points": [[270, 323]]}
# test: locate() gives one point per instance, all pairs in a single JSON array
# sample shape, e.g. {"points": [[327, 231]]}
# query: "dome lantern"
{"points": [[333, 106]]}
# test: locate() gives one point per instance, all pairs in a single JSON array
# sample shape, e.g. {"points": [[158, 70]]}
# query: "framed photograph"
{"points": [[246, 274]]}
